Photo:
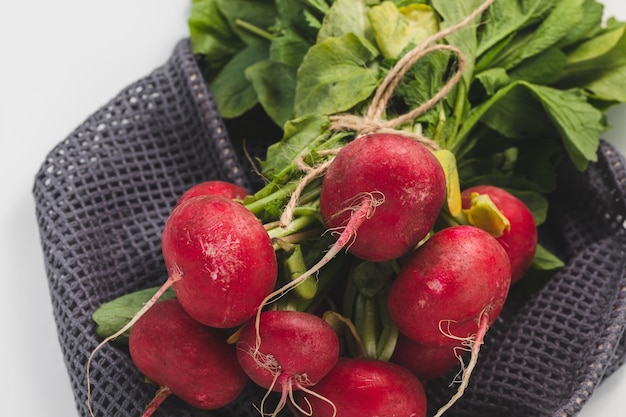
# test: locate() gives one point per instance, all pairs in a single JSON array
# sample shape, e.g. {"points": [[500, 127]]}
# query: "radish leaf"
{"points": [[233, 92], [566, 16], [346, 16], [276, 98], [110, 317], [395, 28], [340, 74]]}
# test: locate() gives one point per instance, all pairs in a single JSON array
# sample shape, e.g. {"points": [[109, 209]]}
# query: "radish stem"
{"points": [[160, 396], [254, 29]]}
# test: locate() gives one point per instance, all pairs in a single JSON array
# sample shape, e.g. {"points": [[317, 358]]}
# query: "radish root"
{"points": [[156, 402], [289, 384], [176, 275], [473, 344], [314, 394]]}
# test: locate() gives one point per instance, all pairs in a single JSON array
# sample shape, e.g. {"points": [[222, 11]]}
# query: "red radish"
{"points": [[520, 241], [185, 358], [384, 192], [450, 291], [215, 187], [366, 388], [404, 181], [458, 275], [221, 264], [426, 362], [220, 258], [296, 350]]}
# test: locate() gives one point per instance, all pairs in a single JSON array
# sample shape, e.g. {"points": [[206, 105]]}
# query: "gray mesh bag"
{"points": [[103, 194]]}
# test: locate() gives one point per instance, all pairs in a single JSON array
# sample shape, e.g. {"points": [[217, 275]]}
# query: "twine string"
{"points": [[373, 122]]}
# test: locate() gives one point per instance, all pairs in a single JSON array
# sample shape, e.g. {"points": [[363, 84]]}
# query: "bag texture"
{"points": [[103, 195]]}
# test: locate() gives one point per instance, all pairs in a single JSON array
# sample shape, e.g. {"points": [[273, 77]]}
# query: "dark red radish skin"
{"points": [[215, 187], [222, 258], [426, 362], [296, 350], [405, 181], [220, 262], [457, 276], [520, 241], [192, 361], [359, 387]]}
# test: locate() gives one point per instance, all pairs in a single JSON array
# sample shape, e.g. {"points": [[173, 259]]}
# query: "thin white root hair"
{"points": [[264, 361], [296, 409], [448, 333], [314, 394], [261, 407], [377, 198], [176, 275], [476, 342]]}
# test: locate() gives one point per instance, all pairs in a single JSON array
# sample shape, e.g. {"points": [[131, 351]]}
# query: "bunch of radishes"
{"points": [[418, 269]]}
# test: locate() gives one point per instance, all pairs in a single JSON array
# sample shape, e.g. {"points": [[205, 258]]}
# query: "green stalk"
{"points": [[257, 207], [295, 266], [306, 211], [298, 224], [288, 302], [453, 141], [327, 278], [254, 29], [349, 298], [441, 123], [312, 194], [389, 335], [365, 320]]}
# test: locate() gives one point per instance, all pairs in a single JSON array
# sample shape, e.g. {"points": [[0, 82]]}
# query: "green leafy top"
{"points": [[539, 76]]}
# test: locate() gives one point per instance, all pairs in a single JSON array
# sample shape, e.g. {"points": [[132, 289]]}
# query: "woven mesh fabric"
{"points": [[548, 351], [102, 197], [103, 194]]}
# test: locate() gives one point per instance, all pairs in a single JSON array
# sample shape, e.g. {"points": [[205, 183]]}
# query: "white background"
{"points": [[59, 62]]}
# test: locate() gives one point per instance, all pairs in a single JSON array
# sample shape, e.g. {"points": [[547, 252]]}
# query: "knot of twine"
{"points": [[373, 122]]}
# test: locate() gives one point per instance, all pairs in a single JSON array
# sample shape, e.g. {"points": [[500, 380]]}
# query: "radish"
{"points": [[185, 358], [215, 187], [221, 260], [296, 350], [450, 291], [383, 193], [403, 181], [360, 387], [426, 362], [460, 274], [221, 264], [520, 240]]}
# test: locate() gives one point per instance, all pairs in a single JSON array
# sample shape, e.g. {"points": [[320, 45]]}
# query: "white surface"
{"points": [[60, 61]]}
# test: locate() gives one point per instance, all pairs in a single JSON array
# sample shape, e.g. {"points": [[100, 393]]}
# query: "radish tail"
{"points": [[314, 394], [171, 280], [158, 399], [476, 342]]}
